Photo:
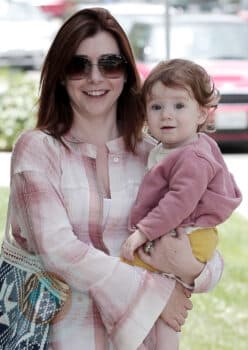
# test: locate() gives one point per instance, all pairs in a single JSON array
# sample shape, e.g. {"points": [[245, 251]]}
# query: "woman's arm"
{"points": [[174, 255]]}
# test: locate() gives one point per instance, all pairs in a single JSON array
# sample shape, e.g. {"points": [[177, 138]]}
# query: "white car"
{"points": [[25, 34]]}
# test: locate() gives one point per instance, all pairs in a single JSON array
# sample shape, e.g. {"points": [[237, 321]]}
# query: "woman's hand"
{"points": [[173, 254], [176, 310]]}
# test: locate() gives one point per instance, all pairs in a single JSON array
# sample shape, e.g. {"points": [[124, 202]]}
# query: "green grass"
{"points": [[219, 319]]}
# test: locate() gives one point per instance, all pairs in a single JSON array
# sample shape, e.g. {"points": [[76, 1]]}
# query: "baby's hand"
{"points": [[134, 241]]}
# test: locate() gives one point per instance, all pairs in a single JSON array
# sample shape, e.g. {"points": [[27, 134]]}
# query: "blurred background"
{"points": [[212, 33]]}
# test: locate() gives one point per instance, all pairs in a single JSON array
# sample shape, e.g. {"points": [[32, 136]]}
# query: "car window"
{"points": [[191, 40]]}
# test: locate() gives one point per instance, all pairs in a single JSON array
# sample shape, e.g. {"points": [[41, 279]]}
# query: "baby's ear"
{"points": [[207, 123], [203, 115]]}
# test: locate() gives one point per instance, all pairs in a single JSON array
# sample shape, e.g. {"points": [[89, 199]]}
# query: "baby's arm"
{"points": [[133, 242]]}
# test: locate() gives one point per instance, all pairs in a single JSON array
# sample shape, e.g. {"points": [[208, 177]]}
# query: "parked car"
{"points": [[216, 41], [25, 34]]}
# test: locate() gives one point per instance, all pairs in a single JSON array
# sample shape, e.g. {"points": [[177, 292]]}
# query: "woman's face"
{"points": [[95, 95]]}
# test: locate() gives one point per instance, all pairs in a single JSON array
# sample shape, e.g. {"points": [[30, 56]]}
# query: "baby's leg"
{"points": [[167, 338]]}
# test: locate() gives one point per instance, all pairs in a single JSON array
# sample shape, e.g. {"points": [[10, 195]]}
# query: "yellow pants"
{"points": [[203, 243]]}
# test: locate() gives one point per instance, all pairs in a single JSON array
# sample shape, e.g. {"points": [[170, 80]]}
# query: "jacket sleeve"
{"points": [[121, 292], [189, 180]]}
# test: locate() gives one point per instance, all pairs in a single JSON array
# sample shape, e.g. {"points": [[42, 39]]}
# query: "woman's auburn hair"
{"points": [[55, 115]]}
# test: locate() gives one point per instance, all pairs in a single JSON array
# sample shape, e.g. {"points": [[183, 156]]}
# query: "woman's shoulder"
{"points": [[33, 138], [32, 149]]}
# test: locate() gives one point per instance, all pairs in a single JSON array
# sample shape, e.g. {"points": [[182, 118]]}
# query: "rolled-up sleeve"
{"points": [[210, 275]]}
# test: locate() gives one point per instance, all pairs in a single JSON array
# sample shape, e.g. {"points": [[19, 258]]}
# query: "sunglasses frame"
{"points": [[103, 63]]}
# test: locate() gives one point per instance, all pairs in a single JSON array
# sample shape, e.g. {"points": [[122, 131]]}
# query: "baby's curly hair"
{"points": [[182, 73]]}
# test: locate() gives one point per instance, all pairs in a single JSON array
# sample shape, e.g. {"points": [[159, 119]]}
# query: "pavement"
{"points": [[232, 162]]}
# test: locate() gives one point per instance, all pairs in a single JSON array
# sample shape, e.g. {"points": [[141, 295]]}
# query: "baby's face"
{"points": [[173, 115]]}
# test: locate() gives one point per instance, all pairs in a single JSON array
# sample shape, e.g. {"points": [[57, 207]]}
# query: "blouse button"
{"points": [[116, 159]]}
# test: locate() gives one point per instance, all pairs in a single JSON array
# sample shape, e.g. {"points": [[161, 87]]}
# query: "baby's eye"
{"points": [[155, 107], [179, 105]]}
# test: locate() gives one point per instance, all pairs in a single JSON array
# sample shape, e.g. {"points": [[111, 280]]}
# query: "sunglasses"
{"points": [[111, 66]]}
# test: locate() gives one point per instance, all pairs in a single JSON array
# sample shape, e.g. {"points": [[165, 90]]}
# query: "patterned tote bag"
{"points": [[30, 298]]}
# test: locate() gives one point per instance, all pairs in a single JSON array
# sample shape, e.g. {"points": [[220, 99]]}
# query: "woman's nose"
{"points": [[95, 74]]}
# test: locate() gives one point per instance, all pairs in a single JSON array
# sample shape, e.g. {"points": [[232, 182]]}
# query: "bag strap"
{"points": [[7, 224]]}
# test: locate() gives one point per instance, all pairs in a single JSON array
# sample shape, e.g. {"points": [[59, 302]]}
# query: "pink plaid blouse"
{"points": [[57, 212]]}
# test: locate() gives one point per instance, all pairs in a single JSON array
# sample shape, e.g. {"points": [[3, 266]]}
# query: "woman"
{"points": [[73, 181]]}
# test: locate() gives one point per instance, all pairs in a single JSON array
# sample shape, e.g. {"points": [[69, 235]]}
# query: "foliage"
{"points": [[219, 318], [18, 95]]}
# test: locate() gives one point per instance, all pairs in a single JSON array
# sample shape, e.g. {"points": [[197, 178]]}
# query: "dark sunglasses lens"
{"points": [[112, 66], [77, 68]]}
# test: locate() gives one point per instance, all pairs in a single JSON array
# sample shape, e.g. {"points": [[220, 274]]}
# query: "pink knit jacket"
{"points": [[190, 187]]}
